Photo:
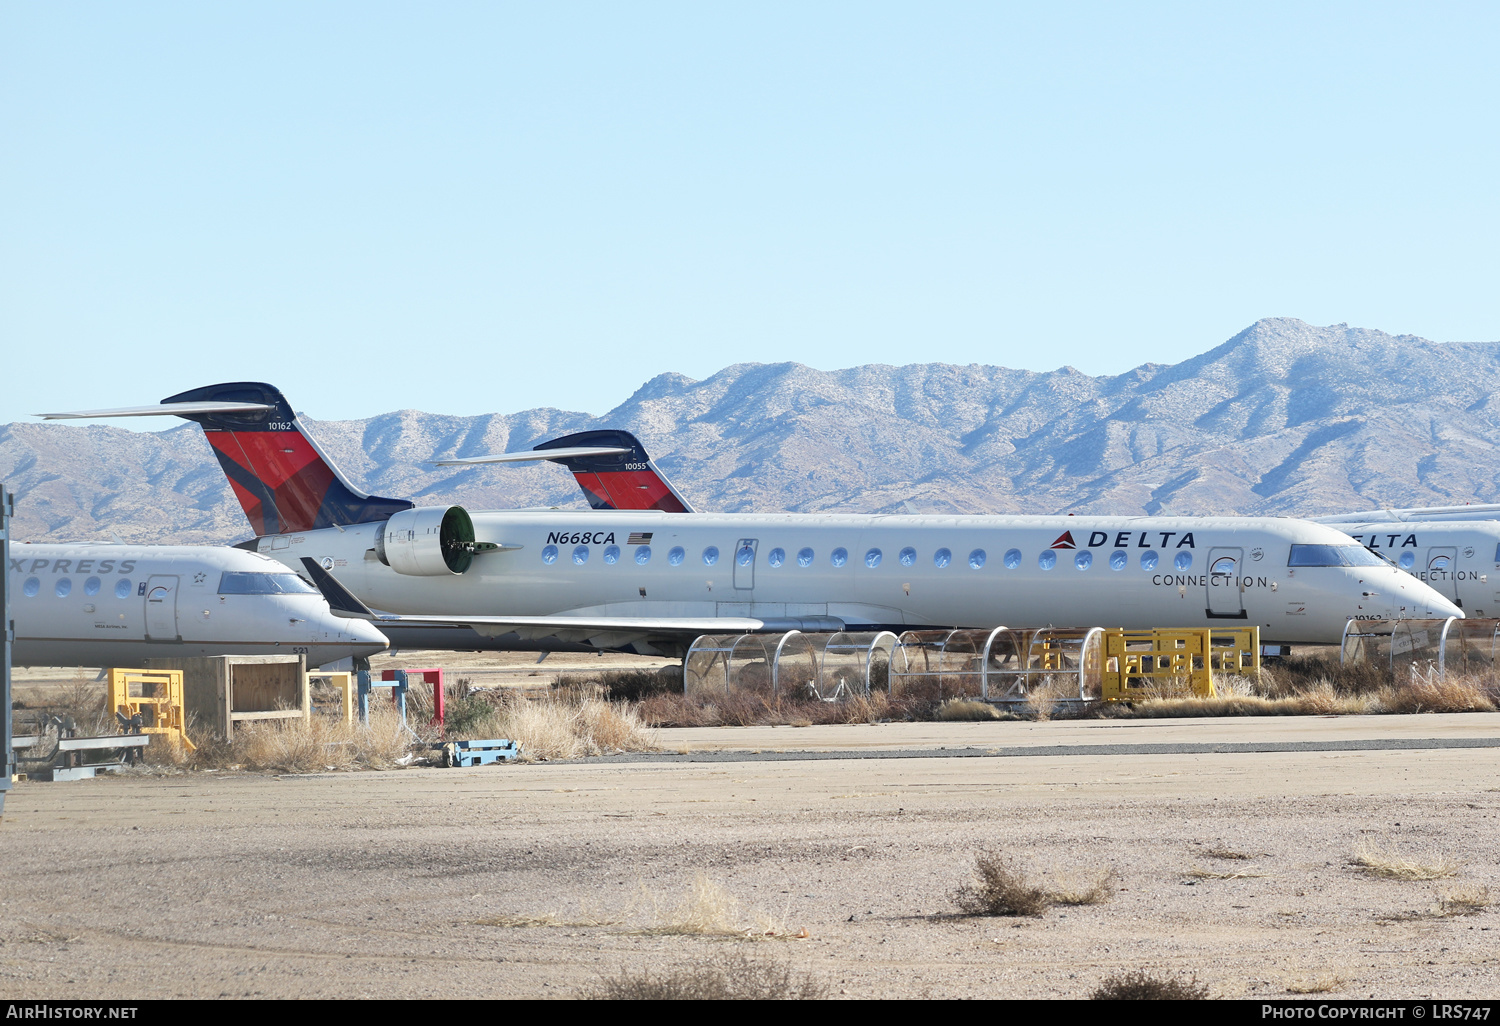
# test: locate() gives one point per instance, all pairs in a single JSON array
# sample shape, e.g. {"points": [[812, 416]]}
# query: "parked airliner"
{"points": [[114, 605], [651, 579], [1456, 549]]}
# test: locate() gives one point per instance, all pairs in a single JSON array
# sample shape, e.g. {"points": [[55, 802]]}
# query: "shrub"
{"points": [[1000, 890], [1142, 986], [727, 978]]}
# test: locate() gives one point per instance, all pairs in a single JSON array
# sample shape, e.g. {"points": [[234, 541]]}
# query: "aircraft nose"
{"points": [[354, 637], [367, 635], [1429, 602]]}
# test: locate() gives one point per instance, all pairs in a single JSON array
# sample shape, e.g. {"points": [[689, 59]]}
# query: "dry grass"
{"points": [[1463, 900], [1143, 986], [960, 709], [709, 910], [1304, 687], [585, 917], [1042, 700], [292, 746], [727, 978], [1440, 695], [1318, 700], [1394, 866], [1198, 873], [747, 710], [1089, 891], [1228, 854], [1325, 983], [563, 727]]}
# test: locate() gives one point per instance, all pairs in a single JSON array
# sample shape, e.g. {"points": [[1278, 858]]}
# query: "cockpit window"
{"points": [[1333, 555], [238, 583]]}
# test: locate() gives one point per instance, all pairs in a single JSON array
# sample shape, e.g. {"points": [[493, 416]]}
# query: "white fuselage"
{"points": [[114, 605], [1457, 558], [1010, 570]]}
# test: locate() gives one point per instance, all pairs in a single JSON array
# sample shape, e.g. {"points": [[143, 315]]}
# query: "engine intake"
{"points": [[427, 541]]}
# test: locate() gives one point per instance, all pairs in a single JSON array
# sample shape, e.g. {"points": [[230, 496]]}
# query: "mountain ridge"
{"points": [[1283, 418]]}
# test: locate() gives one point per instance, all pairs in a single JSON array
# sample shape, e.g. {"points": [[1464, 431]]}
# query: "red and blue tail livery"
{"points": [[284, 482], [626, 479]]}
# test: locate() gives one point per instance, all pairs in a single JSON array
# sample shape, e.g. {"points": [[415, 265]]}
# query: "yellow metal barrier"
{"points": [[344, 681], [156, 695], [1135, 660]]}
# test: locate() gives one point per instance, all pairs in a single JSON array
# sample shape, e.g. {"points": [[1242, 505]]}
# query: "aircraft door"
{"points": [[744, 564], [1442, 570], [1224, 596], [161, 608]]}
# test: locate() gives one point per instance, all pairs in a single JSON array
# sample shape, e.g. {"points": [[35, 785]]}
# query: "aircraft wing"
{"points": [[604, 631]]}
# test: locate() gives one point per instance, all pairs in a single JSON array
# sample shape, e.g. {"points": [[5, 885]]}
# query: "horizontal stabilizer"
{"points": [[531, 455], [160, 410]]}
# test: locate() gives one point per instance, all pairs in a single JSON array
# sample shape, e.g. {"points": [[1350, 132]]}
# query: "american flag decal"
{"points": [[640, 538]]}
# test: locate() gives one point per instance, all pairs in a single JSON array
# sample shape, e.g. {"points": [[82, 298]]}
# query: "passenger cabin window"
{"points": [[840, 556], [872, 558], [677, 555], [91, 586], [122, 588], [710, 555], [31, 587], [1184, 561], [1119, 559], [1047, 560], [1012, 558], [1223, 565], [1149, 559], [1332, 555], [776, 557], [642, 555], [941, 558], [63, 587], [805, 557], [908, 556], [1409, 560], [1435, 563], [238, 583], [581, 555], [745, 556], [976, 559], [1083, 560], [549, 555], [612, 555]]}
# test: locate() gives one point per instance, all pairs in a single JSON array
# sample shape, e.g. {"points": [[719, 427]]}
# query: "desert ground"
{"points": [[832, 850]]}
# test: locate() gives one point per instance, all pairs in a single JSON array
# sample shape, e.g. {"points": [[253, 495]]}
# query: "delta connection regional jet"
{"points": [[650, 580]]}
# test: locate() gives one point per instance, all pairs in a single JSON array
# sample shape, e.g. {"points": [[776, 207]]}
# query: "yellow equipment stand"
{"points": [[157, 697], [1135, 659], [344, 681]]}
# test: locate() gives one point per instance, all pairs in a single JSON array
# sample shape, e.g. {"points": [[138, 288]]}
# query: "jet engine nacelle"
{"points": [[427, 541]]}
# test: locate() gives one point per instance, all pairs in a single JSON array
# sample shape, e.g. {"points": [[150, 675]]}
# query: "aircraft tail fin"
{"points": [[285, 483], [623, 480]]}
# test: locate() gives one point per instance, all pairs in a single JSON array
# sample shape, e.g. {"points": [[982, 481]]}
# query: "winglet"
{"points": [[340, 599]]}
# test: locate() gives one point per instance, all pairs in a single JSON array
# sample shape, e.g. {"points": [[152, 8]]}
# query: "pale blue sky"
{"points": [[483, 207]]}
